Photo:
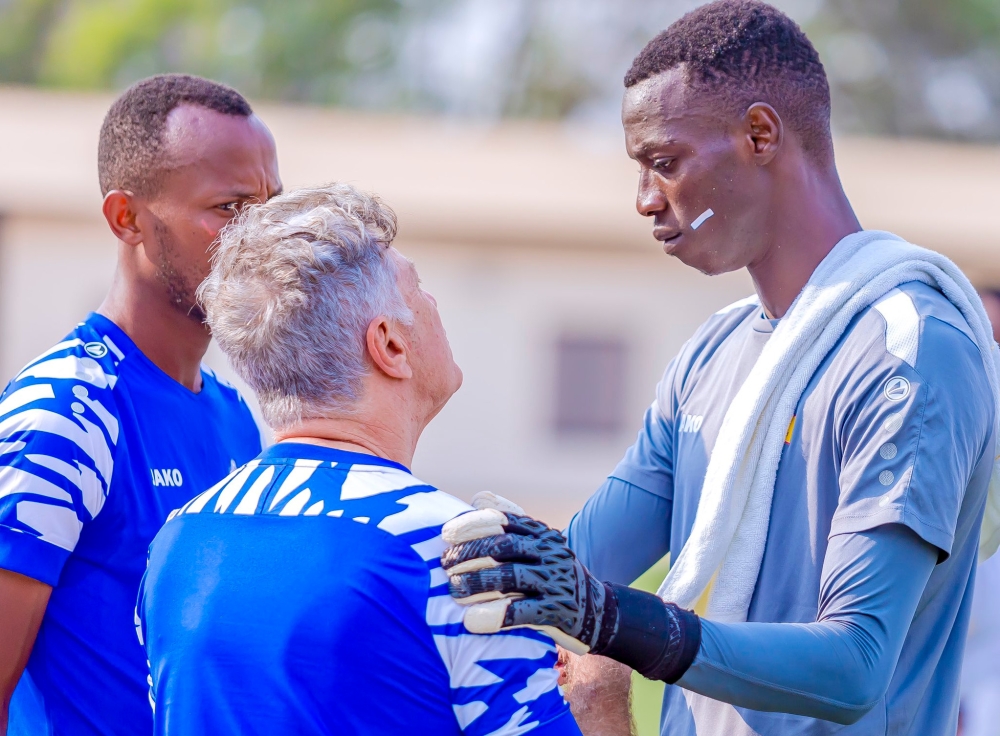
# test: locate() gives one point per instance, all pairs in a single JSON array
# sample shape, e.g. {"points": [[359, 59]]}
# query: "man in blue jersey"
{"points": [[304, 594], [860, 603], [119, 423]]}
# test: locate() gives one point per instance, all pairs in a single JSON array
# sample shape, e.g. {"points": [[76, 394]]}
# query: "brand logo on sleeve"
{"points": [[691, 422], [167, 477], [896, 388], [96, 349]]}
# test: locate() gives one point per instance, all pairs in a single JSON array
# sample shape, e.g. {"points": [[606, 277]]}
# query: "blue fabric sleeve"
{"points": [[649, 462], [624, 528], [895, 468], [58, 435], [840, 666], [621, 531]]}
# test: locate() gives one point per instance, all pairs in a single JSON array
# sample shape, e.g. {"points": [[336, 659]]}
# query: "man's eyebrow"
{"points": [[239, 195], [644, 149]]}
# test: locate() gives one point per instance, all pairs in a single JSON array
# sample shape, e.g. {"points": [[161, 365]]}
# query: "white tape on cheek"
{"points": [[700, 220]]}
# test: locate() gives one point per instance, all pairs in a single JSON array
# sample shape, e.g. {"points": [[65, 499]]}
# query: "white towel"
{"points": [[730, 528]]}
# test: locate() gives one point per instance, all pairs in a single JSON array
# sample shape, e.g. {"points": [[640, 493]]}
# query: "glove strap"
{"points": [[658, 640]]}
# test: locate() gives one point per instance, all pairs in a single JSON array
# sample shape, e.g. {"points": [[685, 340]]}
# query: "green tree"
{"points": [[285, 49]]}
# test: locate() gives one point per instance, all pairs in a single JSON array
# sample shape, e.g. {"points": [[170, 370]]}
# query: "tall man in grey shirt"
{"points": [[860, 610]]}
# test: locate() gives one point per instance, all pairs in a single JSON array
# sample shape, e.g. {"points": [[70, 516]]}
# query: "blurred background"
{"points": [[492, 128]]}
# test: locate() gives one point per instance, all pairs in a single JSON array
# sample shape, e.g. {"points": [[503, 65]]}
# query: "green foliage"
{"points": [[24, 29], [896, 67], [956, 26], [285, 49]]}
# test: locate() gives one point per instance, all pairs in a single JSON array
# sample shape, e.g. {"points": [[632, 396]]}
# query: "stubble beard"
{"points": [[179, 292]]}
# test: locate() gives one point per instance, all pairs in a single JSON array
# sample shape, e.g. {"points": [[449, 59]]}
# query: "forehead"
{"points": [[218, 149], [667, 106]]}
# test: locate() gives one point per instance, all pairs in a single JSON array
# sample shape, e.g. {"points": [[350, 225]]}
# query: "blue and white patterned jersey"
{"points": [[304, 595], [97, 446]]}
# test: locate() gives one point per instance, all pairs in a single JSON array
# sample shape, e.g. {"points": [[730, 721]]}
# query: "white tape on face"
{"points": [[700, 220]]}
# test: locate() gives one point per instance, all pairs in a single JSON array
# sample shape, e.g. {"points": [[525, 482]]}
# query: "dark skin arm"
{"points": [[22, 606]]}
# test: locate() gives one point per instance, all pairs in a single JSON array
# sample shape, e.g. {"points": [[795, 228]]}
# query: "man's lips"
{"points": [[668, 236], [664, 233]]}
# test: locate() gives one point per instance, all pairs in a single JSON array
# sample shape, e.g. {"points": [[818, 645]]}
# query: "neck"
{"points": [[173, 341], [381, 428], [813, 215]]}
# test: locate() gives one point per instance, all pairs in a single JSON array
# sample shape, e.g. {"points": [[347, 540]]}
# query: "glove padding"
{"points": [[525, 576]]}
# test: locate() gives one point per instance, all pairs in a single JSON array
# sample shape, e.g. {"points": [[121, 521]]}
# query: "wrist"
{"points": [[658, 640]]}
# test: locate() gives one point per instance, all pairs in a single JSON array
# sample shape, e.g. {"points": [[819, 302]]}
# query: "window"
{"points": [[590, 385]]}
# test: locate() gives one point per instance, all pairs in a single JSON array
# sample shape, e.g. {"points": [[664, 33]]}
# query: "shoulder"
{"points": [[913, 345], [723, 323], [59, 434], [913, 321], [699, 350], [68, 391], [386, 497], [915, 328], [84, 357]]}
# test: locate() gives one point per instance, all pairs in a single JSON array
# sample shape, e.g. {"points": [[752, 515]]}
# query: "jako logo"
{"points": [[167, 477], [691, 422]]}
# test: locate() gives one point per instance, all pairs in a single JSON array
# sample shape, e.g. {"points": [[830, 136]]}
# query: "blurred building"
{"points": [[561, 308]]}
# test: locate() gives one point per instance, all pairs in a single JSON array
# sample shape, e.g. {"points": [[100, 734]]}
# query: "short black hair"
{"points": [[130, 150], [747, 51]]}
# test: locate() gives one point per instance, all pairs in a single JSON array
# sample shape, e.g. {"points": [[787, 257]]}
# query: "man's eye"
{"points": [[229, 206], [662, 164]]}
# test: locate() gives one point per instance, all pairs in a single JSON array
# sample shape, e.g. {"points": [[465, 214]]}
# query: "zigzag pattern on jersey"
{"points": [[58, 435], [482, 669]]}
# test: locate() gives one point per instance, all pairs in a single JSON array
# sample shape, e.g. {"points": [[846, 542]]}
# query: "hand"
{"points": [[512, 570], [524, 574]]}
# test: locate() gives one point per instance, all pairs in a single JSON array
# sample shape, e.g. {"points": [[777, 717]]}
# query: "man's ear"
{"points": [[119, 211], [764, 131], [388, 348]]}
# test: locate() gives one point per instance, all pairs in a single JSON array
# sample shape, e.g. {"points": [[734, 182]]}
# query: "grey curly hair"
{"points": [[294, 284]]}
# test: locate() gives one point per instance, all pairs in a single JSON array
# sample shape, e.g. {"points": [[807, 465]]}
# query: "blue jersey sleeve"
{"points": [[624, 528], [621, 531], [649, 463], [913, 432], [58, 433], [840, 666]]}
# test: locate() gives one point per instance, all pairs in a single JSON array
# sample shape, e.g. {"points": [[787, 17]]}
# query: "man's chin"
{"points": [[707, 263]]}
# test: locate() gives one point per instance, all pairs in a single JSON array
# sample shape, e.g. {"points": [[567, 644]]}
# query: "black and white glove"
{"points": [[512, 570]]}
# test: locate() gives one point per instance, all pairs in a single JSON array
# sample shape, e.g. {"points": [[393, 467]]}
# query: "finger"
{"points": [[494, 616], [528, 580], [473, 525], [525, 525], [491, 580], [487, 500], [544, 617], [502, 548], [478, 563], [486, 618]]}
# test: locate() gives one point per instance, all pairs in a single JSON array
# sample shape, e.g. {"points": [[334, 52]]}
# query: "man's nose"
{"points": [[649, 199]]}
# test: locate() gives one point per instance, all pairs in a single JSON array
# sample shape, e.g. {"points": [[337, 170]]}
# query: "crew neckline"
{"points": [[307, 451]]}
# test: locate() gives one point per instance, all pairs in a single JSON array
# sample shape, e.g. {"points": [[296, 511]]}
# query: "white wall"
{"points": [[53, 272]]}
